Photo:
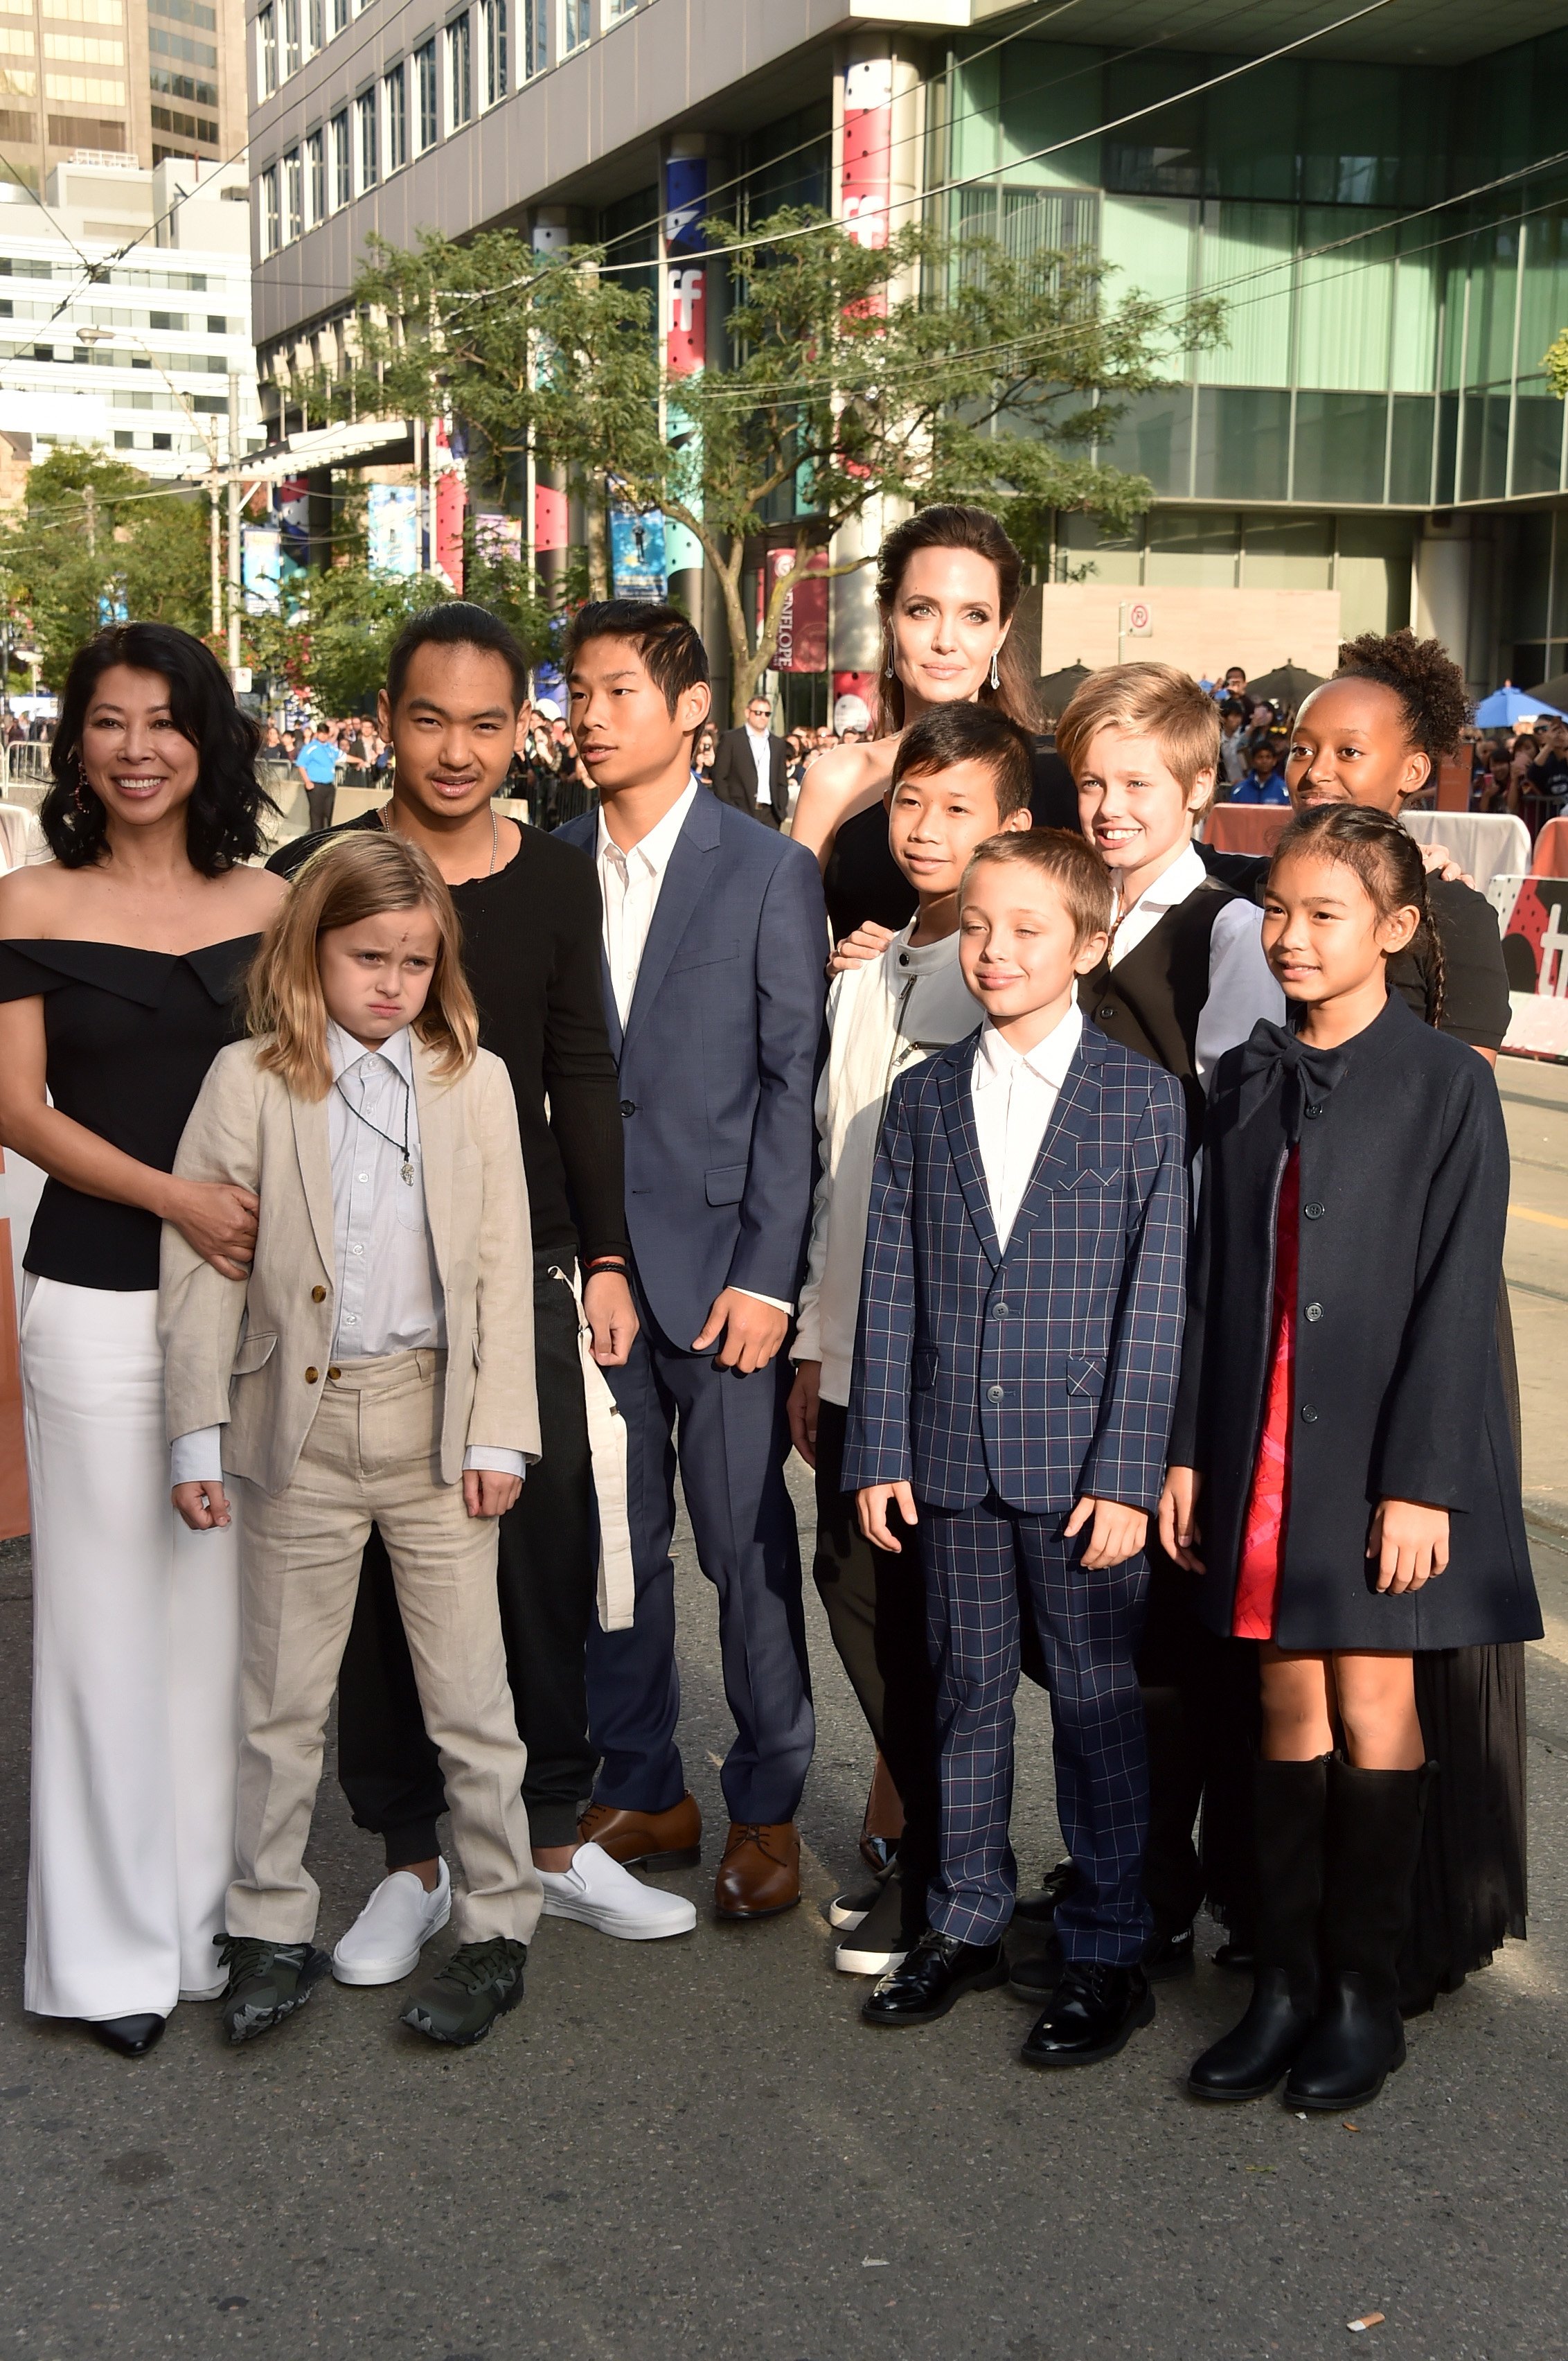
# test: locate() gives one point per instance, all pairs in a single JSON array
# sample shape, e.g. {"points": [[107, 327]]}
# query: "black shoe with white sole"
{"points": [[883, 1939], [939, 1972]]}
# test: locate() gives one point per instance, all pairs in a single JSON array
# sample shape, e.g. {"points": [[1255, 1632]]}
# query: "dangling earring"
{"points": [[890, 655], [995, 676], [79, 795]]}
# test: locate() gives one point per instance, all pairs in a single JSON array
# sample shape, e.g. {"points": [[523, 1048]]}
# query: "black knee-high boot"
{"points": [[1373, 1840], [1290, 1801]]}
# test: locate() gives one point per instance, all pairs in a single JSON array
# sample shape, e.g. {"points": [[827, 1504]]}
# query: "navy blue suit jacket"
{"points": [[1050, 1370], [718, 1065]]}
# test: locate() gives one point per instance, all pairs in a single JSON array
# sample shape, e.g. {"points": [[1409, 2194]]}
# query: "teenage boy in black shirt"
{"points": [[456, 684]]}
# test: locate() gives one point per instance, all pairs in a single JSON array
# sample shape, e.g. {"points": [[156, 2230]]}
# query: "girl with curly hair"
{"points": [[120, 961]]}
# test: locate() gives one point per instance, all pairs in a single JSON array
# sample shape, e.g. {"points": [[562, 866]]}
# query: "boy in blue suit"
{"points": [[715, 936], [1016, 1367]]}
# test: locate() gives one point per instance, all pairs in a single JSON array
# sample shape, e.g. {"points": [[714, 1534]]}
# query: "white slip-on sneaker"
{"points": [[597, 1892], [879, 1942], [384, 1943]]}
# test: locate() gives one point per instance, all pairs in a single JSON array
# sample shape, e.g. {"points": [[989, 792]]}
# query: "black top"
{"points": [[532, 954], [863, 880], [131, 1035], [1152, 1000], [1396, 1387], [1475, 1006]]}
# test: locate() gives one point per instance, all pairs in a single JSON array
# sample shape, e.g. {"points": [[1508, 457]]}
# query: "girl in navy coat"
{"points": [[1343, 1477]]}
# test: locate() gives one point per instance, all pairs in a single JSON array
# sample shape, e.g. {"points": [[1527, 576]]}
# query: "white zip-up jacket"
{"points": [[882, 1017]]}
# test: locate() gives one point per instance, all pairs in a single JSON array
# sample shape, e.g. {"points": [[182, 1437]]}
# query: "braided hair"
{"points": [[1387, 861]]}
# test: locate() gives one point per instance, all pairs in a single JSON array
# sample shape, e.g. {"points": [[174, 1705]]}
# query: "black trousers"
{"points": [[1202, 1712], [320, 801], [875, 1605], [548, 1578]]}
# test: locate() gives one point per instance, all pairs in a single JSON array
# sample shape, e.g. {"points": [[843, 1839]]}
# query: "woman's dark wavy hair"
{"points": [[223, 818]]}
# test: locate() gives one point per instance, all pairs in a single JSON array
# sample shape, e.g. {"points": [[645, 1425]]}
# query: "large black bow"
{"points": [[1272, 1053]]}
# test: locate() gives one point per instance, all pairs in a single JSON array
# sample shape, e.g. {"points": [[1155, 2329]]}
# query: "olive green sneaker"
{"points": [[460, 2003], [268, 1981]]}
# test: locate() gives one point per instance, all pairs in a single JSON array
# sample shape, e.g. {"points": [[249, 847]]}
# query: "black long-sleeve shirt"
{"points": [[532, 954]]}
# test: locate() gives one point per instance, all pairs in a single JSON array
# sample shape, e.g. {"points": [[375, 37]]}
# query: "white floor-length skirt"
{"points": [[136, 1674]]}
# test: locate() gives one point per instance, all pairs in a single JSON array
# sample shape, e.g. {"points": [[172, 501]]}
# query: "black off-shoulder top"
{"points": [[131, 1034]]}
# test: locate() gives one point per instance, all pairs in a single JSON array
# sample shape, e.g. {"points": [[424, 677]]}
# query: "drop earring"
{"points": [[79, 795], [890, 659], [995, 676]]}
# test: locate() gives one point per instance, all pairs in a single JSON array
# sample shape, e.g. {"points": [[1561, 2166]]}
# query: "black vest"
{"points": [[1151, 1000]]}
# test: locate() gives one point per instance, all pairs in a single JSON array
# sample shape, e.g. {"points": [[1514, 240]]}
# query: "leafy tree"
{"points": [[840, 388], [333, 643], [97, 539], [1554, 361]]}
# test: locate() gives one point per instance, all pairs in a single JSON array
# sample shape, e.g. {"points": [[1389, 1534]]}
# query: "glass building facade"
{"points": [[1390, 261]]}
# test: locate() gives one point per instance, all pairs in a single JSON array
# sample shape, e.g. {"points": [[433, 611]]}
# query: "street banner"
{"points": [[498, 537], [261, 561], [803, 621], [866, 180], [637, 555], [1533, 914], [393, 528]]}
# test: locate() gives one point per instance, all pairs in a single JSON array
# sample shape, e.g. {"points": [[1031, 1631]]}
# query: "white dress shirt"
{"points": [[631, 884], [761, 743], [1241, 985], [387, 1288], [1013, 1094]]}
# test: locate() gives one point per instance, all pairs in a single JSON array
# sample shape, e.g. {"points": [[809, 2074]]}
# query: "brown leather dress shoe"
{"points": [[670, 1840], [759, 1874]]}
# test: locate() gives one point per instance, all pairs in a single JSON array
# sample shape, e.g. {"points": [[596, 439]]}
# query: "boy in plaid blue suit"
{"points": [[1016, 1367]]}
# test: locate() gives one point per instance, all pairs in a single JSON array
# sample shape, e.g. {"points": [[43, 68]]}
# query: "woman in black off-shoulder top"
{"points": [[120, 962]]}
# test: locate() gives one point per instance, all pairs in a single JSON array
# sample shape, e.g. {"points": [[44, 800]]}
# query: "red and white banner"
{"points": [[865, 188], [1533, 913], [803, 621]]}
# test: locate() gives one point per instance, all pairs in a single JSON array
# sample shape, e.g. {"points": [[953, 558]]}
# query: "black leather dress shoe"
{"points": [[1040, 1909], [131, 2036], [938, 1971], [1169, 1955], [1237, 1955], [1094, 2012]]}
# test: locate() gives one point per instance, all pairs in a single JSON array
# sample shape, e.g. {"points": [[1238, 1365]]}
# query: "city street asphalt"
{"points": [[694, 2148]]}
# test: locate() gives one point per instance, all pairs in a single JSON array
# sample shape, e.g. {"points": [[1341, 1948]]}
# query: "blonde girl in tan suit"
{"points": [[375, 1366]]}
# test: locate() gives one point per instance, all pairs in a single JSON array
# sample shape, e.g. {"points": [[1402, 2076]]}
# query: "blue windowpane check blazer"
{"points": [[1048, 1372]]}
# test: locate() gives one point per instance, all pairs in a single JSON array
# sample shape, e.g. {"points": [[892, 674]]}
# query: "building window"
{"points": [[342, 161], [535, 37], [315, 178], [460, 72], [291, 59], [429, 100], [396, 87], [179, 85], [369, 157], [267, 52], [575, 25], [340, 15], [315, 25], [493, 49], [293, 196], [269, 238]]}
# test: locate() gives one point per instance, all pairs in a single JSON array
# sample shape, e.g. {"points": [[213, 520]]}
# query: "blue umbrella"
{"points": [[1507, 704]]}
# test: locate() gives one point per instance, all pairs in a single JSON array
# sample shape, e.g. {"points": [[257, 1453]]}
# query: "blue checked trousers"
{"points": [[986, 1566]]}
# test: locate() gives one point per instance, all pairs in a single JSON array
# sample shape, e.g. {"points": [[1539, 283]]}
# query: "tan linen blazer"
{"points": [[251, 1355]]}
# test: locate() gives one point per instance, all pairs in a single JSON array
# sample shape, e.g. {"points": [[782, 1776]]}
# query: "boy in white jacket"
{"points": [[961, 774]]}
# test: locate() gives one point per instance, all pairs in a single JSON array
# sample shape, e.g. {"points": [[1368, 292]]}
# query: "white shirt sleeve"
{"points": [[495, 1459], [197, 1457], [1242, 987], [808, 1337]]}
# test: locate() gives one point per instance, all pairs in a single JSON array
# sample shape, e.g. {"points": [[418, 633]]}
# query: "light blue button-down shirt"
{"points": [[387, 1288]]}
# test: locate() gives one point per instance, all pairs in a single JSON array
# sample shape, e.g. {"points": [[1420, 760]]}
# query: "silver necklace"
{"points": [[406, 1171]]}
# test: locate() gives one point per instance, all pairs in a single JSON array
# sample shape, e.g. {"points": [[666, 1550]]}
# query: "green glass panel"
{"points": [[1526, 578], [1455, 279], [1149, 244], [1447, 448], [1153, 437], [1494, 287], [1252, 146], [1083, 547], [1163, 154], [1538, 440], [1366, 134], [1196, 547], [1418, 298], [1247, 259], [1543, 302], [1288, 553], [1243, 443], [1372, 573], [1051, 90], [976, 131], [1344, 308], [1410, 470], [1339, 440]]}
